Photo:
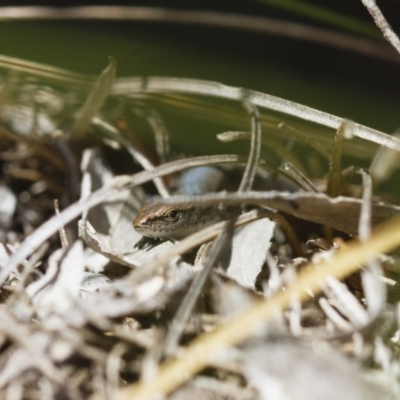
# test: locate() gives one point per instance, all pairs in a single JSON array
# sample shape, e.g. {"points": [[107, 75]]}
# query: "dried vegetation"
{"points": [[294, 297]]}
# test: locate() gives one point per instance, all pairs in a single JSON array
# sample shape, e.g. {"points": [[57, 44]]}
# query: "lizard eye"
{"points": [[172, 215]]}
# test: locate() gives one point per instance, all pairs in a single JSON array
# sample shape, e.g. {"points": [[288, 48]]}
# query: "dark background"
{"points": [[339, 82]]}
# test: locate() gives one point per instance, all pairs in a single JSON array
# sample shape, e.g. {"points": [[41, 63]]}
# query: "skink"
{"points": [[172, 222]]}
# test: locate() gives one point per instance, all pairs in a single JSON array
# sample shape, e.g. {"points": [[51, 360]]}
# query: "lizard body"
{"points": [[172, 222]]}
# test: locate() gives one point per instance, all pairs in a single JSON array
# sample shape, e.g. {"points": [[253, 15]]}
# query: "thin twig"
{"points": [[267, 142], [131, 86], [94, 101], [304, 138], [335, 164], [255, 149], [161, 135], [382, 24], [63, 236], [364, 227], [44, 71], [297, 176], [384, 163], [374, 288]]}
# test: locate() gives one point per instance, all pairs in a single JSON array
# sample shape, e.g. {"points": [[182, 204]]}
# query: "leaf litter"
{"points": [[244, 308]]}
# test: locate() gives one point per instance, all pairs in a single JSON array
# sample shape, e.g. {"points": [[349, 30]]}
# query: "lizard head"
{"points": [[174, 222], [161, 221]]}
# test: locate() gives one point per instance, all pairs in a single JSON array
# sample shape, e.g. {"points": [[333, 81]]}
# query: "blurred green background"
{"points": [[340, 82]]}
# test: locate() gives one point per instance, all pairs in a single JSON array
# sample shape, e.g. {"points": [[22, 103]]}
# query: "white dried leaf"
{"points": [[51, 272], [122, 234], [133, 258], [374, 289], [61, 350], [61, 295], [92, 283], [250, 247], [25, 120], [95, 262], [150, 288], [202, 253], [285, 370], [8, 203], [232, 298], [86, 181], [108, 228], [334, 316], [4, 255], [144, 292], [346, 303]]}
